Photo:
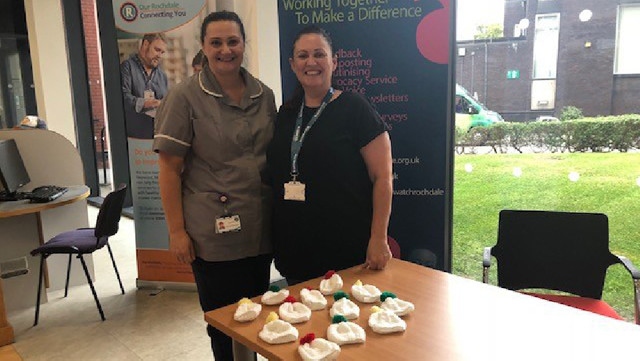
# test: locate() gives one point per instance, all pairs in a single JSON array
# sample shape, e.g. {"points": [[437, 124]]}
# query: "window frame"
{"points": [[538, 44], [634, 69]]}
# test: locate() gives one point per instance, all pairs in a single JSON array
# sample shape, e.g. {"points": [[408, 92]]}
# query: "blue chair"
{"points": [[85, 241]]}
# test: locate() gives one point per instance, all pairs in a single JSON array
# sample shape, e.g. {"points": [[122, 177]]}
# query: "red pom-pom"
{"points": [[307, 338], [290, 299], [329, 274]]}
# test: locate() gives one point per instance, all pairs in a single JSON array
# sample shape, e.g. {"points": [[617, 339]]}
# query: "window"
{"points": [[545, 46], [627, 52], [543, 94]]}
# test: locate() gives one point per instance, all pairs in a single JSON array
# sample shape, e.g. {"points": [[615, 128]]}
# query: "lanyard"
{"points": [[296, 141], [147, 77]]}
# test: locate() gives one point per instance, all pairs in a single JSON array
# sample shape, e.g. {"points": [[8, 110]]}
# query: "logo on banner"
{"points": [[147, 16], [129, 12]]}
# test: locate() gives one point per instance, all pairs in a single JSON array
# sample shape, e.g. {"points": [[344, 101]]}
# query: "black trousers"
{"points": [[292, 281], [223, 283]]}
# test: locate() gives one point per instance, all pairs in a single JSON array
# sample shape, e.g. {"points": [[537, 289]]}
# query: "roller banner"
{"points": [[396, 53]]}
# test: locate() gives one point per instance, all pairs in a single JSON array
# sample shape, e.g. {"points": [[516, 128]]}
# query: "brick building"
{"points": [[566, 53]]}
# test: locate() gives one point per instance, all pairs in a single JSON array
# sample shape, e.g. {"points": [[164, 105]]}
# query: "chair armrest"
{"points": [[636, 285], [630, 267], [486, 263], [486, 257]]}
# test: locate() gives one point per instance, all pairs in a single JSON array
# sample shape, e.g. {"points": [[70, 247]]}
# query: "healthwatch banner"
{"points": [[396, 53], [145, 16]]}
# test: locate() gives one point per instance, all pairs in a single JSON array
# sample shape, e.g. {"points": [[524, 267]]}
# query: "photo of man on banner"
{"points": [[144, 84]]}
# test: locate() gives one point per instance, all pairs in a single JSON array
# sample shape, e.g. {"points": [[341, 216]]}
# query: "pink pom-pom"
{"points": [[307, 338]]}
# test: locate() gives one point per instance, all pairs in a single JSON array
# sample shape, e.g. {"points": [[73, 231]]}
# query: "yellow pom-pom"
{"points": [[358, 283], [375, 309], [244, 300], [272, 317]]}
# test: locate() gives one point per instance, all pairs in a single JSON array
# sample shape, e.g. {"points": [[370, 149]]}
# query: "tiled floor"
{"points": [[139, 325]]}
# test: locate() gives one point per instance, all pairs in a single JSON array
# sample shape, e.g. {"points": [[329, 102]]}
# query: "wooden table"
{"points": [[20, 208], [6, 330], [455, 319]]}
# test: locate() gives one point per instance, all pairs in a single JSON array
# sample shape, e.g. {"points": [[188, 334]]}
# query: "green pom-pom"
{"points": [[386, 294], [274, 288], [338, 319], [340, 294]]}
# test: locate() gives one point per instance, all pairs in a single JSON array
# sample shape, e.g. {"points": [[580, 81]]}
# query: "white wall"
{"points": [[267, 45], [262, 54], [47, 43]]}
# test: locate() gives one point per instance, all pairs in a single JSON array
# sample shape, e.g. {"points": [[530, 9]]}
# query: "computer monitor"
{"points": [[13, 174]]}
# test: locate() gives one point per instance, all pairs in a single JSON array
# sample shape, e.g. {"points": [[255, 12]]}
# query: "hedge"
{"points": [[597, 134]]}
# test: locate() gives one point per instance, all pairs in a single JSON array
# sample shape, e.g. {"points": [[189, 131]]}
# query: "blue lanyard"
{"points": [[296, 141]]}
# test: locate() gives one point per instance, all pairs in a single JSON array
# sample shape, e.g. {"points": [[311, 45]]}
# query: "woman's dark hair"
{"points": [[298, 93], [313, 29], [198, 59], [223, 15]]}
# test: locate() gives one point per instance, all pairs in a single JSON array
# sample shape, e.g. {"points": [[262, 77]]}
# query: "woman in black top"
{"points": [[333, 181]]}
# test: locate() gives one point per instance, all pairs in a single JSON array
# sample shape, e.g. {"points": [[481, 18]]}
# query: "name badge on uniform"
{"points": [[294, 191], [149, 94], [226, 224]]}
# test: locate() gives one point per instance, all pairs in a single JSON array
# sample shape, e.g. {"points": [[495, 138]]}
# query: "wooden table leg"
{"points": [[6, 331]]}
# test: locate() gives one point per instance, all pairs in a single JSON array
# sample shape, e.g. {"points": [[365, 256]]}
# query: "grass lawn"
{"points": [[608, 183]]}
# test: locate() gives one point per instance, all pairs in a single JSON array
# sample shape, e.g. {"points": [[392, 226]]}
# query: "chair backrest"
{"points": [[110, 211], [561, 251]]}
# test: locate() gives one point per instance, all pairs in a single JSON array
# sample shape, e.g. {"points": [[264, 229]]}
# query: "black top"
{"points": [[331, 228]]}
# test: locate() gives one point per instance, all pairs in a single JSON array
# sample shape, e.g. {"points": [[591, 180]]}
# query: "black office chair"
{"points": [[85, 241], [560, 251]]}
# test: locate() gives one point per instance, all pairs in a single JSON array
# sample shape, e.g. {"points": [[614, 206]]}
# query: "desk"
{"points": [[18, 208], [15, 220], [455, 319]]}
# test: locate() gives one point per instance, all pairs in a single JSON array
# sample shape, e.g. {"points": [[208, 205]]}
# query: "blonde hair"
{"points": [[150, 37]]}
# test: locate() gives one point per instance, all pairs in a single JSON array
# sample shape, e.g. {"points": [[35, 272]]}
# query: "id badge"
{"points": [[294, 191], [149, 94], [228, 224]]}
